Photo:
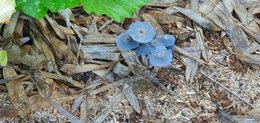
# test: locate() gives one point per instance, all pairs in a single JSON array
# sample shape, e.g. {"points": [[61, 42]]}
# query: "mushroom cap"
{"points": [[124, 42], [143, 49], [160, 56], [141, 32], [167, 40]]}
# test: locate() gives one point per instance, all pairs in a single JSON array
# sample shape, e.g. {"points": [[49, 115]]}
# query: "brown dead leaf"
{"points": [[18, 31], [55, 27], [63, 78], [37, 102], [71, 68], [44, 85], [45, 49], [62, 50], [16, 93]]}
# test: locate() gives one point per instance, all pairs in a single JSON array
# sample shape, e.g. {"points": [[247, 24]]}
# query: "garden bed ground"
{"points": [[69, 74]]}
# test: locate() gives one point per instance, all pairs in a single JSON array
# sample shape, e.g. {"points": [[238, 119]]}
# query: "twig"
{"points": [[213, 80], [75, 28], [105, 25], [185, 53]]}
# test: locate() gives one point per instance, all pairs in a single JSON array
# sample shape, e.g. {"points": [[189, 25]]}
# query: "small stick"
{"points": [[213, 80], [185, 53]]}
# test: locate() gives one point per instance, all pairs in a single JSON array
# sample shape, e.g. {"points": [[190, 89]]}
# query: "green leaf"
{"points": [[56, 5], [34, 8], [3, 57], [116, 9], [39, 8]]}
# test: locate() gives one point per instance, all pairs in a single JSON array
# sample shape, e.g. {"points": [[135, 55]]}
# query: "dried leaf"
{"points": [[16, 92], [9, 29], [45, 49], [18, 31], [63, 78], [44, 85], [71, 68], [62, 50], [62, 111], [55, 27], [37, 102]]}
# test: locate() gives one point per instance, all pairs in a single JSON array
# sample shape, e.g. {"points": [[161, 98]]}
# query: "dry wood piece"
{"points": [[71, 68], [100, 52], [49, 72]]}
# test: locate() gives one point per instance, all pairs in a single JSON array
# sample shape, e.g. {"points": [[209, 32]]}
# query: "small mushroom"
{"points": [[143, 49], [142, 32], [160, 56], [124, 42], [167, 40]]}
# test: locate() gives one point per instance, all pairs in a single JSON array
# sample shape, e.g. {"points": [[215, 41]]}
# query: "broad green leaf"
{"points": [[116, 9], [3, 57], [34, 8], [38, 8], [56, 5]]}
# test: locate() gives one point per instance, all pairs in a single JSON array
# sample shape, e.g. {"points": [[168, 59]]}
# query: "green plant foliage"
{"points": [[34, 8], [3, 57], [55, 5], [116, 9]]}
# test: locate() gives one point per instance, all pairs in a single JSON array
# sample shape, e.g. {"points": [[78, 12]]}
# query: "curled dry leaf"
{"points": [[63, 78], [16, 92], [55, 27]]}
